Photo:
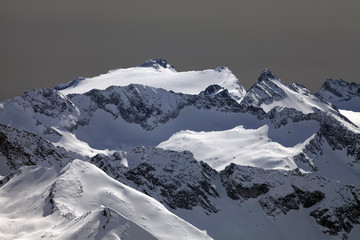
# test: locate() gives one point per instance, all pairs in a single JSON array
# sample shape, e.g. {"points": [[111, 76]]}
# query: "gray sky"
{"points": [[47, 42]]}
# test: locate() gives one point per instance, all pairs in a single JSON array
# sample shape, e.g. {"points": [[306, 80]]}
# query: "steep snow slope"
{"points": [[345, 96], [82, 202], [342, 94], [352, 116], [269, 91], [19, 148], [192, 82], [39, 111]]}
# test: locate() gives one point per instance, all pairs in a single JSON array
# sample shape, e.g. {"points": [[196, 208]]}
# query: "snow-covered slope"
{"points": [[342, 94], [82, 202], [352, 116], [269, 91]]}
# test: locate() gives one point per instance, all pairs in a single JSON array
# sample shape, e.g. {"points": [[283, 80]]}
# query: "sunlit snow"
{"points": [[352, 116], [87, 204], [249, 147], [191, 82]]}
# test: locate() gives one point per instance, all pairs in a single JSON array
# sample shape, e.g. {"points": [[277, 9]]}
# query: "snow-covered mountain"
{"points": [[159, 74], [342, 94], [269, 92], [151, 153]]}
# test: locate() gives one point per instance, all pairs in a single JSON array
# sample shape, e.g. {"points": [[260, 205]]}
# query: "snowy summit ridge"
{"points": [[158, 73], [151, 153]]}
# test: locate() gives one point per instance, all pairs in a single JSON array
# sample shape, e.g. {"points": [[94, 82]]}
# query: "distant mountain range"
{"points": [[151, 153]]}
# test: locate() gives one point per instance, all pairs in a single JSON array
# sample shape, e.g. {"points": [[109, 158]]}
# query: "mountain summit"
{"points": [[151, 153], [157, 63], [269, 92], [267, 75]]}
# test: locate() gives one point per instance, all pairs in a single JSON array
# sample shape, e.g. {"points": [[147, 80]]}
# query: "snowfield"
{"points": [[82, 202], [246, 147], [191, 82]]}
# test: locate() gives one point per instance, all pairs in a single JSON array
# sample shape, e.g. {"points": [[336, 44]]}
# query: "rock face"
{"points": [[21, 148], [241, 186], [157, 63], [180, 182], [118, 128], [342, 94], [146, 106], [175, 179], [216, 91], [337, 217], [265, 90]]}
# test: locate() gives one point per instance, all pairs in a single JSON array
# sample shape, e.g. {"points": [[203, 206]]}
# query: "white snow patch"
{"points": [[71, 143], [249, 147], [352, 116]]}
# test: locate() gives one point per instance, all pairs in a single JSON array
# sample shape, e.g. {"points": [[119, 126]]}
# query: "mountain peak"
{"points": [[157, 63], [344, 95], [266, 75], [337, 84], [222, 68]]}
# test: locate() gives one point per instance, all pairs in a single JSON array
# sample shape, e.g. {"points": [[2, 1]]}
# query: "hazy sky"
{"points": [[44, 43]]}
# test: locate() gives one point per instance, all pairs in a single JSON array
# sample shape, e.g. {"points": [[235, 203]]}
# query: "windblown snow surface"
{"points": [[82, 202]]}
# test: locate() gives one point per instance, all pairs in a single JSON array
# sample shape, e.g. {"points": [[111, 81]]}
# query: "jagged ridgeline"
{"points": [[151, 153]]}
